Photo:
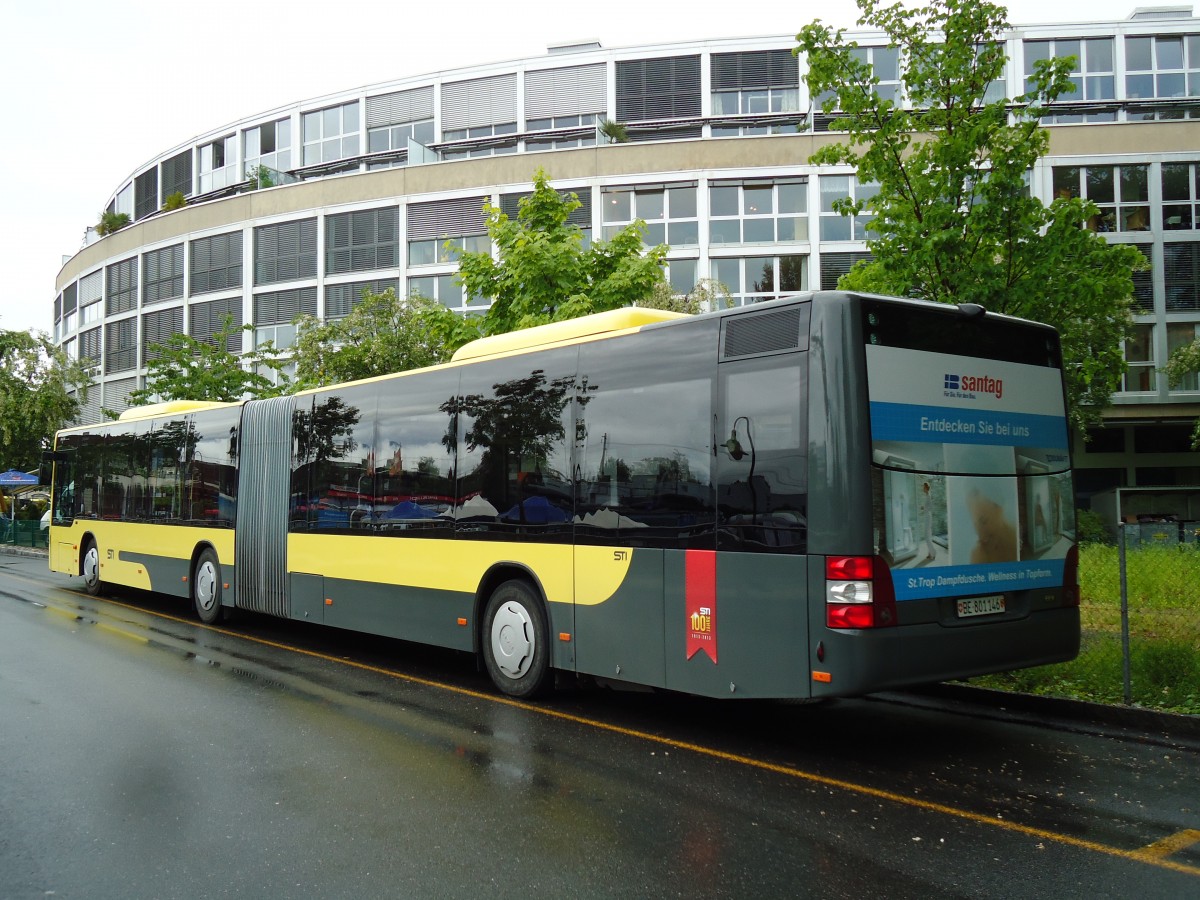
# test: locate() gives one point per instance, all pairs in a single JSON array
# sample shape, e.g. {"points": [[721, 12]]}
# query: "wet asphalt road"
{"points": [[145, 756]]}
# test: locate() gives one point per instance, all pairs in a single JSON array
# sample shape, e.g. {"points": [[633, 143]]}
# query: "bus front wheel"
{"points": [[206, 587], [90, 568], [516, 646]]}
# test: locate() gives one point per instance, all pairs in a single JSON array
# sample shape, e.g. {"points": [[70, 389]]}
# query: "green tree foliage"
{"points": [[954, 220], [184, 368], [111, 222], [1185, 361], [545, 274], [708, 295], [40, 392], [384, 333]]}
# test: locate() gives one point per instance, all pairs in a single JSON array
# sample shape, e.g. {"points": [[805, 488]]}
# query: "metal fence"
{"points": [[1140, 617], [22, 533]]}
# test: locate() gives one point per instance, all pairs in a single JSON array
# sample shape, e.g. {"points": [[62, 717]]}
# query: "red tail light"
{"points": [[1071, 577], [858, 593]]}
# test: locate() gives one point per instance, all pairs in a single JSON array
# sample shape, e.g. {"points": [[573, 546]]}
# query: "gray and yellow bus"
{"points": [[823, 495]]}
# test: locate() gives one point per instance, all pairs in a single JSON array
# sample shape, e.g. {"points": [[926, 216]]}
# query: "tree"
{"points": [[1185, 361], [184, 368], [545, 274], [40, 392], [954, 219], [708, 295], [382, 334]]}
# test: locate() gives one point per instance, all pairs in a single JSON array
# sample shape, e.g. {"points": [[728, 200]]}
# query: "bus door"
{"points": [[746, 609]]}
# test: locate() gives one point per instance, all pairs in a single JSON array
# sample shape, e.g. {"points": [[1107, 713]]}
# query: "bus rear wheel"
{"points": [[516, 646], [90, 568], [206, 587]]}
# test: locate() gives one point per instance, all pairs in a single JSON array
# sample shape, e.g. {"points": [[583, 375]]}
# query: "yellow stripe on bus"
{"points": [[459, 565]]}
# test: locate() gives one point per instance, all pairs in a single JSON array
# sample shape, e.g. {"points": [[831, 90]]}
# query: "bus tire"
{"points": [[89, 568], [516, 645], [206, 587]]}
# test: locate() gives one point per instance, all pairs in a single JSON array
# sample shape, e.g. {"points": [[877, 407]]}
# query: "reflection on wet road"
{"points": [[148, 756]]}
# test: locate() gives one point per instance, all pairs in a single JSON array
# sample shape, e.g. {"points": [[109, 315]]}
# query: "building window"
{"points": [[1093, 76], [758, 278], [835, 265], [285, 252], [1121, 192], [682, 275], [90, 314], [559, 123], [358, 241], [836, 226], [162, 274], [757, 83], [121, 280], [663, 88], [1139, 358], [70, 303], [1162, 67], [177, 175], [1183, 334], [1180, 196], [340, 299], [216, 263], [158, 328], [482, 111], [275, 315], [331, 134], [558, 99], [668, 210], [268, 145], [145, 193], [206, 319], [396, 137], [1181, 275], [218, 164], [446, 290], [395, 119], [758, 212], [89, 346], [458, 222], [120, 346]]}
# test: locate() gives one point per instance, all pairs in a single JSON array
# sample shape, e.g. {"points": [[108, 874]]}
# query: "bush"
{"points": [[174, 201], [1090, 528], [111, 222]]}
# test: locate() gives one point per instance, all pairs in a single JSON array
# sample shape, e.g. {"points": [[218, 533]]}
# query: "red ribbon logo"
{"points": [[700, 600]]}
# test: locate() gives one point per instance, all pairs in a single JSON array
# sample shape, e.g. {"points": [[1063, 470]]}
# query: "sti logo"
{"points": [[968, 386]]}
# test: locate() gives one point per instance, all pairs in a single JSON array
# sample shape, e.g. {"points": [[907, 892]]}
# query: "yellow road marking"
{"points": [[1151, 855], [1173, 844]]}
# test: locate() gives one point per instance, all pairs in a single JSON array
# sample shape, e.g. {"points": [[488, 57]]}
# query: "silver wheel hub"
{"points": [[512, 639], [91, 565], [206, 585]]}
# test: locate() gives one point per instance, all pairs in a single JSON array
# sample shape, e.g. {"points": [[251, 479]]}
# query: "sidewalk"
{"points": [[14, 550]]}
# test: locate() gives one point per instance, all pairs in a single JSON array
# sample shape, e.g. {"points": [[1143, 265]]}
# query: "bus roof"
{"points": [[557, 332], [170, 407]]}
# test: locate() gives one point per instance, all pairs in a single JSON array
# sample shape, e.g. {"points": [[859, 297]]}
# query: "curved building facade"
{"points": [[364, 187]]}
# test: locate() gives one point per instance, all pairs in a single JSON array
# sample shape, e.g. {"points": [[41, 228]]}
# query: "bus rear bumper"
{"points": [[858, 662]]}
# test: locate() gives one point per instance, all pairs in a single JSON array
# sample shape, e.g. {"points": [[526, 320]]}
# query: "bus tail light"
{"points": [[1071, 577], [858, 593]]}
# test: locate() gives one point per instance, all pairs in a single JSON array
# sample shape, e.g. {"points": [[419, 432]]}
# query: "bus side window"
{"points": [[761, 460]]}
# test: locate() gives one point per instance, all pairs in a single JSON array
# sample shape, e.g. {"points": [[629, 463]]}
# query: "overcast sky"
{"points": [[92, 90]]}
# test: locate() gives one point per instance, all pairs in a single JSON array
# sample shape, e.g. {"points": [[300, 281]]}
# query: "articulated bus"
{"points": [[822, 495]]}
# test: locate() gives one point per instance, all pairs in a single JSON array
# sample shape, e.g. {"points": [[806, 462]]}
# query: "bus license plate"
{"points": [[980, 606]]}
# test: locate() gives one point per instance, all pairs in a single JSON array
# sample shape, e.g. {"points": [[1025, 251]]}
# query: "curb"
{"points": [[12, 550], [1126, 722]]}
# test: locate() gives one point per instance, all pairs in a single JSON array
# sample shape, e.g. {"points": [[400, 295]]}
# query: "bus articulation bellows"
{"points": [[823, 495]]}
